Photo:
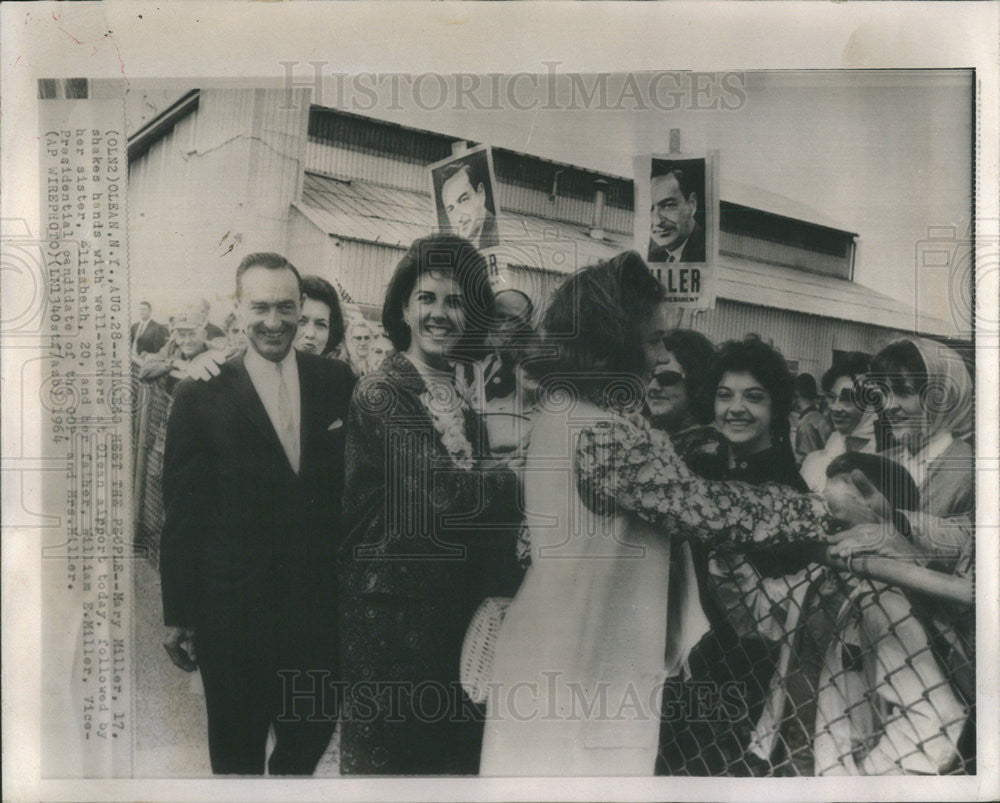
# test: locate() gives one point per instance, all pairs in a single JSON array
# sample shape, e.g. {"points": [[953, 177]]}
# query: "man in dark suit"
{"points": [[253, 477], [467, 204], [675, 235], [146, 335]]}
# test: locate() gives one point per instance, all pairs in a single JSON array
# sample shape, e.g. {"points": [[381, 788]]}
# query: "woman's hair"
{"points": [[899, 357], [765, 364], [319, 289], [889, 477], [441, 253], [695, 353], [854, 365], [590, 334]]}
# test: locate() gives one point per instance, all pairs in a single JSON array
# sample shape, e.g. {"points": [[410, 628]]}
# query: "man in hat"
{"points": [[187, 340]]}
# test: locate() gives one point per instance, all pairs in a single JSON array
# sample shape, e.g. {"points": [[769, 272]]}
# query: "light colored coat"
{"points": [[602, 618]]}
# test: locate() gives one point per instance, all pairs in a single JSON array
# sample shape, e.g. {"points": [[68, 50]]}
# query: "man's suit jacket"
{"points": [[694, 248], [248, 545], [489, 235], [153, 338]]}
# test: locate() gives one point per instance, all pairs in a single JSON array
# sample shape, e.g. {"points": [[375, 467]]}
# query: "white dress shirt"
{"points": [[675, 253], [265, 377]]}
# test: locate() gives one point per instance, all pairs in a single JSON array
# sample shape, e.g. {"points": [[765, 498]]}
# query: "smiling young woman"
{"points": [[426, 513], [750, 391]]}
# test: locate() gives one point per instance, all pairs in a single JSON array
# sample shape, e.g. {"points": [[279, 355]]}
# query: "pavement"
{"points": [[170, 738]]}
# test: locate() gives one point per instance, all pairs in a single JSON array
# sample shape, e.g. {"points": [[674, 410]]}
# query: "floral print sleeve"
{"points": [[625, 464]]}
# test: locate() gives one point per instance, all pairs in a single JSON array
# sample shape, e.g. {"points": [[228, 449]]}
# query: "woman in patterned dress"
{"points": [[431, 525], [601, 620]]}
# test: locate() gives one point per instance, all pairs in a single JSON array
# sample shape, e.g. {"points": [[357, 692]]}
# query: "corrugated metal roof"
{"points": [[736, 192], [815, 294], [359, 210]]}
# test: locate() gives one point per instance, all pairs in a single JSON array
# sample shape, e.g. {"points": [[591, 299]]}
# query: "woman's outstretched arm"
{"points": [[630, 466]]}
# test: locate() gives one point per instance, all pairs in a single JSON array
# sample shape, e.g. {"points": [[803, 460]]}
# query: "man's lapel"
{"points": [[308, 411], [253, 408]]}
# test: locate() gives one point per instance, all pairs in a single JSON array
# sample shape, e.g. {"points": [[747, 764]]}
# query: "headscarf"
{"points": [[949, 397]]}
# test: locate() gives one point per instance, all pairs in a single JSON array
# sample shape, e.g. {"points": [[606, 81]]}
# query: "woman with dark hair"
{"points": [[853, 423], [431, 525], [598, 623], [750, 390], [321, 324], [674, 394], [926, 394]]}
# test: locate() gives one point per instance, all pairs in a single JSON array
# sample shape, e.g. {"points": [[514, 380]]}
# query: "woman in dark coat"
{"points": [[431, 525], [750, 392], [747, 395]]}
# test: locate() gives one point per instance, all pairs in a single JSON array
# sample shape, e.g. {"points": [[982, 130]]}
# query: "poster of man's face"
{"points": [[677, 210], [465, 197]]}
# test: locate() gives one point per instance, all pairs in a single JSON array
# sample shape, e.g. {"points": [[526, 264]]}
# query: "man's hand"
{"points": [[179, 644], [204, 366], [879, 539]]}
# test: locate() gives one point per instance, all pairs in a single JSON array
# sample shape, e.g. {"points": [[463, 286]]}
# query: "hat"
{"points": [[188, 316]]}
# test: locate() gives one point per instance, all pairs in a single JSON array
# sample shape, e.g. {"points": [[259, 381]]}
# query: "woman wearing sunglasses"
{"points": [[672, 393]]}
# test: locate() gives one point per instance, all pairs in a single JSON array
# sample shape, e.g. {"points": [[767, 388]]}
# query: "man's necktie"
{"points": [[286, 423], [671, 258]]}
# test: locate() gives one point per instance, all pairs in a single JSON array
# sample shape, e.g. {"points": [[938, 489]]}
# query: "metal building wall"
{"points": [[308, 247], [350, 163], [363, 271], [808, 339], [792, 256], [222, 182], [217, 187]]}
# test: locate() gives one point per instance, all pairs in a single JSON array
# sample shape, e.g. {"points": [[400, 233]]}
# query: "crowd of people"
{"points": [[524, 536], [325, 328]]}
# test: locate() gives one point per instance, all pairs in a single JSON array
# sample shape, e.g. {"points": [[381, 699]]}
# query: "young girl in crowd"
{"points": [[927, 399], [853, 422], [750, 392]]}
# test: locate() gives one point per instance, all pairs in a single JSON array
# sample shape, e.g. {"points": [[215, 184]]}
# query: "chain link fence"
{"points": [[865, 669], [856, 668]]}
